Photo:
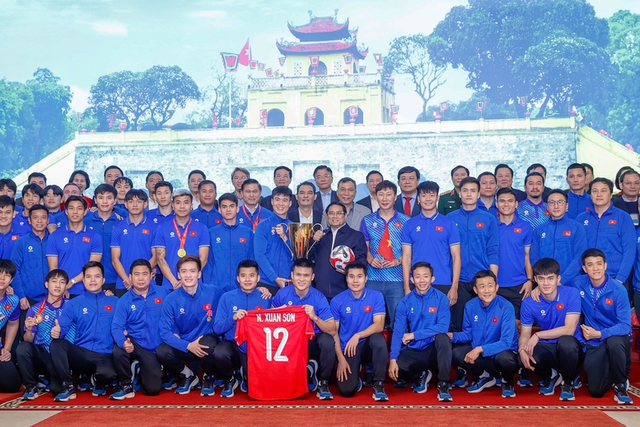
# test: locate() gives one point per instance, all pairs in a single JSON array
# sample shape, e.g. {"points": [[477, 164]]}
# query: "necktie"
{"points": [[407, 206]]}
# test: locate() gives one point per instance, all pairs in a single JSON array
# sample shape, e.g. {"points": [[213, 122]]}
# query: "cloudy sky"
{"points": [[80, 41]]}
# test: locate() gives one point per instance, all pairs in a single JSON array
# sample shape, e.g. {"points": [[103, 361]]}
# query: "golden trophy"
{"points": [[300, 238]]}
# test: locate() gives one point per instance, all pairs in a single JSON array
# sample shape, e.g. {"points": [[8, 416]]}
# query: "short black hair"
{"points": [[7, 266], [428, 187], [83, 173], [546, 266], [163, 184], [532, 174], [6, 182], [373, 172], [505, 190], [628, 172], [57, 272], [343, 207], [196, 171], [459, 167], [558, 191], [92, 264], [347, 179], [536, 166], [481, 274], [284, 168], [189, 258], [207, 182], [34, 188], [112, 167], [409, 169], [303, 184], [140, 262], [355, 265], [105, 188], [577, 166], [487, 173], [605, 181], [387, 185], [320, 167], [422, 264], [619, 174], [137, 194], [588, 166], [153, 173], [469, 180], [38, 207], [282, 190], [304, 263], [55, 188], [229, 197], [76, 199], [37, 175], [250, 181], [123, 178], [503, 166], [7, 201], [248, 263], [593, 252]]}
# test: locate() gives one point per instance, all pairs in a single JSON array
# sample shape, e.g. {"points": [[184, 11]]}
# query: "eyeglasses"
{"points": [[334, 213], [556, 203], [408, 178]]}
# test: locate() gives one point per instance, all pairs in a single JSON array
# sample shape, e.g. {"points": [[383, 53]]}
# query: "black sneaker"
{"points": [[323, 392], [379, 394], [444, 394]]}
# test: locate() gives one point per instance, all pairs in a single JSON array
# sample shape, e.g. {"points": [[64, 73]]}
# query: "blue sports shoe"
{"points": [[98, 389], [549, 386], [312, 375], [481, 384], [461, 379], [84, 383], [187, 383], [323, 392], [566, 393], [359, 386], [444, 394], [620, 394], [421, 385], [123, 392], [507, 390], [30, 393], [43, 384], [135, 375], [576, 383], [229, 387], [523, 378], [379, 394], [68, 394], [170, 383], [208, 389]]}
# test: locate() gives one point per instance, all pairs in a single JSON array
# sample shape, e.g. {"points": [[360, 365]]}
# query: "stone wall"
{"points": [[348, 155]]}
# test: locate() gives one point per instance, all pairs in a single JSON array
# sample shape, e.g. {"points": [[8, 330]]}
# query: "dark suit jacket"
{"points": [[328, 280], [317, 205], [399, 205], [266, 203], [366, 202], [294, 216]]}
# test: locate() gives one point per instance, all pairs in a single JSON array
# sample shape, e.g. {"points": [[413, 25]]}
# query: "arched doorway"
{"points": [[317, 121], [275, 117], [347, 116], [320, 70]]}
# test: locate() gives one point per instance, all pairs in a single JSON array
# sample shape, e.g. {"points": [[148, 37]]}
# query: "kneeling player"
{"points": [[359, 314], [135, 331], [91, 313], [321, 347], [606, 328], [554, 352], [186, 328], [33, 353], [489, 329], [233, 306], [9, 316], [420, 342]]}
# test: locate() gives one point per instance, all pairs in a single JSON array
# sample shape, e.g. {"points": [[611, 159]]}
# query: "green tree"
{"points": [[467, 110], [134, 97], [409, 55], [535, 48]]}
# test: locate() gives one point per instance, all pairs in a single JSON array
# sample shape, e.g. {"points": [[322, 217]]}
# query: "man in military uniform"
{"points": [[450, 200]]}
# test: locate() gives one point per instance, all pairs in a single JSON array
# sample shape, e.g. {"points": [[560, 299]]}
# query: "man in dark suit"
{"points": [[628, 201], [282, 175], [306, 213], [324, 178], [329, 280], [408, 180], [504, 178], [373, 178]]}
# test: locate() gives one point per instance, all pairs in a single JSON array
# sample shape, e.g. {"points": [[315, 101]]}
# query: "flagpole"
{"points": [[230, 102]]}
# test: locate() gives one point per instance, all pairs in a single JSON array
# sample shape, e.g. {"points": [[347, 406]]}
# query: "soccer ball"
{"points": [[341, 255]]}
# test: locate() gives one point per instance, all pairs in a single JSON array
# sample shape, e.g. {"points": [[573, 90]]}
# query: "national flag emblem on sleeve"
{"points": [[398, 225], [560, 306], [193, 233], [243, 240], [613, 222], [608, 301], [495, 320], [432, 309], [438, 228], [86, 239], [217, 221], [15, 237], [108, 308], [145, 231], [517, 230], [384, 247], [258, 308], [7, 306], [368, 308], [479, 224], [158, 300], [566, 233], [207, 307]]}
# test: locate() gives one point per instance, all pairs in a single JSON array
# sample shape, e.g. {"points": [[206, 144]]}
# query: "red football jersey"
{"points": [[277, 342]]}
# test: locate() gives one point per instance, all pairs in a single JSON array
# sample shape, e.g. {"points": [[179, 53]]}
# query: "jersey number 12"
{"points": [[278, 357]]}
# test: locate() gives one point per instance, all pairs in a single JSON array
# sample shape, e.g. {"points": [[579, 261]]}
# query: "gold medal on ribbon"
{"points": [[181, 252], [38, 319]]}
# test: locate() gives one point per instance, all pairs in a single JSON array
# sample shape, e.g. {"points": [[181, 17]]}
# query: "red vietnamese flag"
{"points": [[432, 309], [384, 247], [245, 55]]}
